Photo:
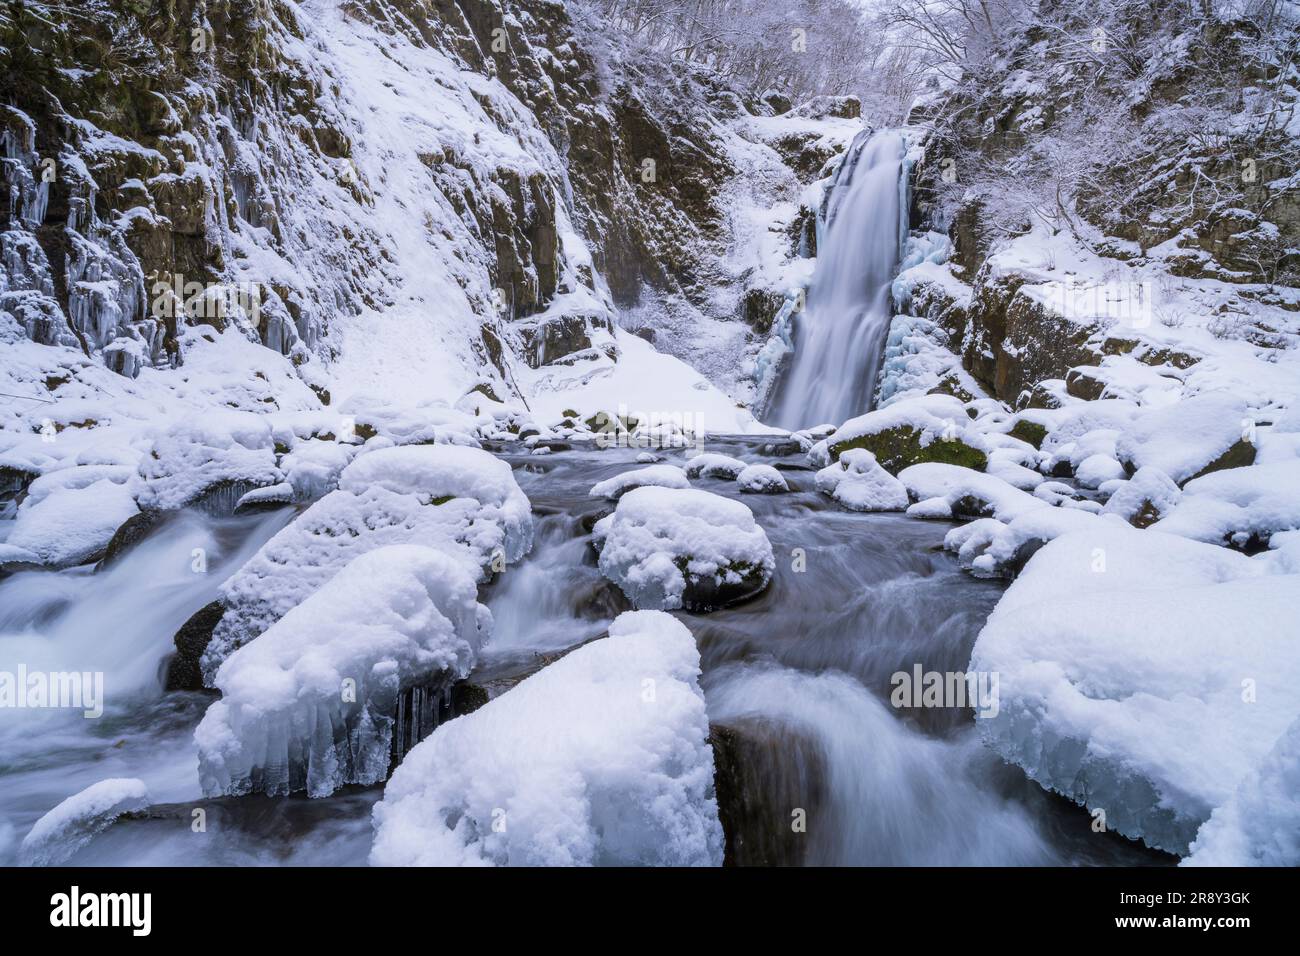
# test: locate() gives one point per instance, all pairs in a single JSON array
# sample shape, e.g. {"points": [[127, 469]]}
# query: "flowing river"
{"points": [[814, 764]]}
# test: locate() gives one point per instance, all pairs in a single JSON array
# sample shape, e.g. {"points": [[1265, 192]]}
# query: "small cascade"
{"points": [[840, 335]]}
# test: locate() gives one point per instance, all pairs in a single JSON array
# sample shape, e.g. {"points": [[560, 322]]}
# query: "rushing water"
{"points": [[841, 334], [797, 684]]}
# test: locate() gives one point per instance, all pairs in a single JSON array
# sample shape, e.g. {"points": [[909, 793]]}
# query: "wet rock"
{"points": [[132, 531], [183, 671]]}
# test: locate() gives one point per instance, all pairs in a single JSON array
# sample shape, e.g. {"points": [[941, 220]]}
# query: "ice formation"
{"points": [[311, 704]]}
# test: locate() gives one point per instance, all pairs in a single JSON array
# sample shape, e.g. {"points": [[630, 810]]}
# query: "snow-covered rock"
{"points": [[601, 758], [1143, 674], [1240, 506], [1144, 498], [214, 459], [928, 428], [1260, 823], [713, 465], [657, 476], [76, 821], [1189, 437], [859, 483], [310, 705], [669, 548], [458, 499], [761, 480], [69, 517]]}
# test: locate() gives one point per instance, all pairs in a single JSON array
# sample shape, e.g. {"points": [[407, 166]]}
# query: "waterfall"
{"points": [[841, 333]]}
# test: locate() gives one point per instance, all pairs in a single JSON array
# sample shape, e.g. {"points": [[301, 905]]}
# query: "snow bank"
{"points": [[658, 476], [859, 483], [460, 500], [310, 705], [669, 548], [76, 821], [1143, 674], [601, 758]]}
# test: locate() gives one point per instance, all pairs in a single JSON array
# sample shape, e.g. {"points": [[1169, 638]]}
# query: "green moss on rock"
{"points": [[900, 447]]}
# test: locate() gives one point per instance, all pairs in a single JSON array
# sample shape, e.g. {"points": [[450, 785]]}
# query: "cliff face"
{"points": [[1161, 149], [340, 181]]}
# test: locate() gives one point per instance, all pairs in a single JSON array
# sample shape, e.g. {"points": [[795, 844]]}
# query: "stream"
{"points": [[797, 684]]}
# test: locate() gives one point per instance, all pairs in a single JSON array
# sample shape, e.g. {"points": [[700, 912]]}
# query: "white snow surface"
{"points": [[859, 483], [389, 496], [601, 758], [58, 835], [661, 545], [1143, 674], [310, 705]]}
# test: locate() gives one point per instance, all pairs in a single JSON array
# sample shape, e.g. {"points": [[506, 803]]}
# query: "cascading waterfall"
{"points": [[840, 335]]}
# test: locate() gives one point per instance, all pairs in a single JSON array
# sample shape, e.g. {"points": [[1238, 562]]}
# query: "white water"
{"points": [[120, 623], [840, 335]]}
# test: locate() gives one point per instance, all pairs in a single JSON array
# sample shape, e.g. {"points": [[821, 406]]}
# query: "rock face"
{"points": [[209, 162]]}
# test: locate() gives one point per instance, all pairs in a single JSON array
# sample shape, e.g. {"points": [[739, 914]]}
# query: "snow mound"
{"points": [[1143, 674], [195, 459], [76, 821], [69, 517], [761, 480], [711, 465], [310, 705], [1143, 498], [658, 476], [859, 483], [1260, 823], [965, 492], [1185, 438], [1239, 505], [601, 758], [460, 500], [669, 548]]}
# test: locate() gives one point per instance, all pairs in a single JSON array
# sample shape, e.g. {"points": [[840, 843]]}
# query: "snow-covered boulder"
{"points": [[1143, 674], [761, 480], [458, 499], [859, 483], [713, 465], [924, 429], [1239, 506], [76, 821], [601, 758], [210, 460], [310, 705], [69, 516], [945, 491], [669, 548], [1189, 438], [1143, 499], [1260, 823], [652, 476]]}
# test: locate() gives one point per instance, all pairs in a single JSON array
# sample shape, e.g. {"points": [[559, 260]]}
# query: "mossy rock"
{"points": [[1029, 431], [1239, 455], [900, 447], [707, 593]]}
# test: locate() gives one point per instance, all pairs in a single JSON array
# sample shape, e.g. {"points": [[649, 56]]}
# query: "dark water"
{"points": [[816, 766]]}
